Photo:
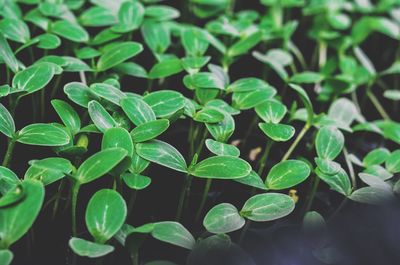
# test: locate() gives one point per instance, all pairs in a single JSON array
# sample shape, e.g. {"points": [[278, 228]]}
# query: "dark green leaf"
{"points": [[287, 174], [221, 167], [117, 54], [149, 130], [43, 134]]}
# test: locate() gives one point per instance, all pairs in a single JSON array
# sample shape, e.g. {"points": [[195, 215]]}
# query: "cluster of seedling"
{"points": [[99, 42]]}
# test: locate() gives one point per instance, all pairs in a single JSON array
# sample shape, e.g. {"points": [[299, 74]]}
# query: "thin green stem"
{"points": [[378, 105], [296, 141], [75, 191], [311, 196], [9, 153], [263, 160], [57, 199], [135, 258], [203, 199], [182, 195], [323, 51]]}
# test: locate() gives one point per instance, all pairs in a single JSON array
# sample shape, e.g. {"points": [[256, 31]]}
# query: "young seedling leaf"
{"points": [[173, 233], [68, 115], [329, 142], [137, 110], [7, 126], [149, 130], [89, 249], [49, 170], [118, 54], [117, 137], [165, 103], [78, 93], [33, 78], [277, 132], [252, 180], [339, 182], [136, 181], [271, 111], [376, 157], [223, 218], [6, 256], [287, 174], [43, 134], [70, 31], [221, 167], [166, 68], [100, 117], [392, 163], [222, 149]]}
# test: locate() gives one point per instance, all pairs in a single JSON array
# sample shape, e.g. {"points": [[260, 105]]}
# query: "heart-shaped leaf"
{"points": [[223, 218], [43, 134], [7, 126], [221, 167], [89, 249], [287, 174], [149, 130], [100, 164], [173, 233], [105, 214], [267, 207]]}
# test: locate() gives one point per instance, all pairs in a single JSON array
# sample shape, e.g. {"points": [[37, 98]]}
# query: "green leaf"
{"points": [[374, 181], [7, 126], [100, 117], [223, 218], [267, 207], [277, 59], [376, 157], [68, 115], [156, 36], [251, 99], [97, 17], [108, 92], [130, 17], [306, 101], [166, 68], [117, 54], [149, 130], [117, 137], [137, 110], [7, 55], [78, 93], [372, 195], [89, 249], [165, 102], [15, 29], [209, 115], [222, 149], [161, 12], [277, 132], [8, 180], [247, 84], [34, 77], [132, 69], [221, 131], [343, 112], [17, 219], [378, 171], [99, 164], [392, 94], [105, 214], [339, 182], [327, 166], [48, 41], [194, 42], [245, 44], [329, 142], [163, 154], [43, 134], [252, 180], [287, 174], [6, 257], [221, 167], [136, 181], [393, 162], [70, 31], [271, 111], [307, 78], [173, 233], [49, 170], [204, 80]]}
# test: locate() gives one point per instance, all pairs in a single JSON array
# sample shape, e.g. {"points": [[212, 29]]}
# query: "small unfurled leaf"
{"points": [[374, 181], [149, 130], [209, 115], [100, 164], [49, 170], [7, 126], [117, 54], [165, 103], [221, 167], [376, 157], [271, 111], [277, 132], [277, 59], [327, 166], [70, 31], [89, 249], [117, 137], [15, 29], [245, 44], [137, 110], [6, 256], [136, 181], [222, 149], [100, 117], [267, 207], [173, 233], [287, 174], [34, 77], [204, 80], [329, 142], [48, 41], [223, 218], [306, 102], [105, 214], [339, 182], [17, 219], [221, 131], [393, 162], [343, 112], [166, 68], [162, 153], [68, 115], [43, 134]]}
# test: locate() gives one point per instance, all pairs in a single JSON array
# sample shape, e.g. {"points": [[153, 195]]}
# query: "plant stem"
{"points": [[203, 199], [323, 50], [57, 200], [311, 197], [263, 160], [75, 191], [135, 258], [296, 141], [182, 198], [249, 130], [378, 105], [9, 153]]}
